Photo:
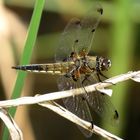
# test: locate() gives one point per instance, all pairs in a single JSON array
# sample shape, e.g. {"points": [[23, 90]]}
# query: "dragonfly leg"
{"points": [[86, 78], [98, 75], [92, 124]]}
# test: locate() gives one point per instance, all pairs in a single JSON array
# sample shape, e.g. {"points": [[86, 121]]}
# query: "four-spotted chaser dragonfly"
{"points": [[77, 69]]}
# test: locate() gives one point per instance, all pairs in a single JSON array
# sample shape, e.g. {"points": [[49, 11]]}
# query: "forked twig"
{"points": [[63, 94], [46, 100], [15, 132], [73, 118]]}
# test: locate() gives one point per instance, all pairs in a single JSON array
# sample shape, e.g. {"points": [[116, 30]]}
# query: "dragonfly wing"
{"points": [[78, 34], [88, 28], [68, 40], [101, 103], [76, 104]]}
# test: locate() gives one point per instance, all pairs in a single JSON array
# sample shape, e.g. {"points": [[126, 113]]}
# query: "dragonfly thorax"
{"points": [[102, 63]]}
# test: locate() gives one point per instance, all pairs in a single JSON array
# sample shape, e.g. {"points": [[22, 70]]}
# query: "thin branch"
{"points": [[14, 130], [73, 118], [45, 100], [63, 94]]}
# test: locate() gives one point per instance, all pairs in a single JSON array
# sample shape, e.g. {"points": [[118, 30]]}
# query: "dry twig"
{"points": [[46, 100], [63, 94]]}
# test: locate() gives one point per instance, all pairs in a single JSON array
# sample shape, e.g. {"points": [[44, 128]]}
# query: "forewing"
{"points": [[78, 34], [101, 103], [76, 104], [68, 39], [88, 28]]}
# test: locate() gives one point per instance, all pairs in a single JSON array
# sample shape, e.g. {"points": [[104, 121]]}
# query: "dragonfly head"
{"points": [[102, 63]]}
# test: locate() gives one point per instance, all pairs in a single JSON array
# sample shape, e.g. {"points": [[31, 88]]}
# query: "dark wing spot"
{"points": [[116, 115], [76, 41], [100, 10], [93, 30]]}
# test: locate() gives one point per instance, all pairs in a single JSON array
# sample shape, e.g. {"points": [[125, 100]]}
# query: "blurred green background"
{"points": [[117, 37]]}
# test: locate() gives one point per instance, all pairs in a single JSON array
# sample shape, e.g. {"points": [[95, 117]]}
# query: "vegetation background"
{"points": [[32, 38]]}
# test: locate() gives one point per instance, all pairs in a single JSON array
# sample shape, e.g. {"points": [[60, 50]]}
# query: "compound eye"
{"points": [[109, 63], [104, 64]]}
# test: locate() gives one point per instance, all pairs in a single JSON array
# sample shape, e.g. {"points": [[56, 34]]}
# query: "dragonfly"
{"points": [[77, 69]]}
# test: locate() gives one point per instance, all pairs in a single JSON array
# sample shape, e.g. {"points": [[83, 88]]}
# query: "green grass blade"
{"points": [[27, 52]]}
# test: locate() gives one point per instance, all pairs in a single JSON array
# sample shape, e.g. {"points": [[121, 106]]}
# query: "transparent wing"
{"points": [[78, 34], [101, 103], [88, 28], [67, 40], [76, 104]]}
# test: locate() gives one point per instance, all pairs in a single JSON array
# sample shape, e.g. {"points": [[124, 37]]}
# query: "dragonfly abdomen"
{"points": [[55, 68], [31, 68]]}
